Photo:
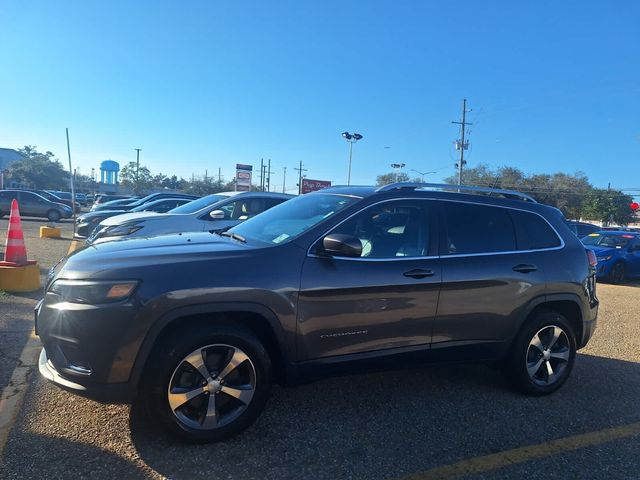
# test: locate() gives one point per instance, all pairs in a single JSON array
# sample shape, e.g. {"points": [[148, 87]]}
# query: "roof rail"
{"points": [[459, 188]]}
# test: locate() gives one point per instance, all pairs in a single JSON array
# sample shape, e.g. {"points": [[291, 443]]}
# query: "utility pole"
{"points": [[262, 174], [461, 144], [284, 179], [137, 169], [300, 170], [269, 172], [73, 188], [219, 175]]}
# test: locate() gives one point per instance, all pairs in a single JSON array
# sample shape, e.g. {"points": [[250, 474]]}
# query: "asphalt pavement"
{"points": [[441, 422]]}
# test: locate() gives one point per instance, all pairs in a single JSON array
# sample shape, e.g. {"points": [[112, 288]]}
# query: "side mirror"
{"points": [[217, 214], [340, 245]]}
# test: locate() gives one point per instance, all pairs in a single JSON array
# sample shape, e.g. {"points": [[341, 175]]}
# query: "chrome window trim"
{"points": [[360, 259], [559, 247], [433, 257]]}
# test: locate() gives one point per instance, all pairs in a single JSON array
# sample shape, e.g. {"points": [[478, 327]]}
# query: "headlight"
{"points": [[120, 230], [605, 258], [85, 291]]}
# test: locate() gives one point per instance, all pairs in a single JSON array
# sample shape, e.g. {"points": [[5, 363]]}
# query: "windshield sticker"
{"points": [[280, 238]]}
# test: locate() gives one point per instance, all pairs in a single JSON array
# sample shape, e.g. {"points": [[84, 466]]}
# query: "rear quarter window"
{"points": [[533, 232]]}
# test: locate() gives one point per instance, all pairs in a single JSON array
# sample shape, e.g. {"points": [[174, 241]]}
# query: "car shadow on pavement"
{"points": [[392, 424], [54, 457]]}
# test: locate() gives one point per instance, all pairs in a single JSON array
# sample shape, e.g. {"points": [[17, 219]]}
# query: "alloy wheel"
{"points": [[211, 387], [548, 355]]}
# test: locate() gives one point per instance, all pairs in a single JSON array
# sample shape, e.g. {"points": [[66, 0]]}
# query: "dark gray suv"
{"points": [[32, 204], [196, 327]]}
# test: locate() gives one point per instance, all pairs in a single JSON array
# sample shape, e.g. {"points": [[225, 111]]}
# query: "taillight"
{"points": [[593, 261]]}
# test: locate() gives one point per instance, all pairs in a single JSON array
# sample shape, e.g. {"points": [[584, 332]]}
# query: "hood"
{"points": [[130, 217], [108, 258], [97, 214]]}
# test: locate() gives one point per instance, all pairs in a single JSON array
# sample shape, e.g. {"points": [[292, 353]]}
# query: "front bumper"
{"points": [[106, 393], [89, 350], [603, 269], [83, 230]]}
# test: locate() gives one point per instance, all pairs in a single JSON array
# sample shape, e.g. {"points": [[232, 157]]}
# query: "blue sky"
{"points": [[554, 86]]}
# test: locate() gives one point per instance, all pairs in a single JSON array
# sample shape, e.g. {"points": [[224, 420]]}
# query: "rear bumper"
{"points": [[104, 393]]}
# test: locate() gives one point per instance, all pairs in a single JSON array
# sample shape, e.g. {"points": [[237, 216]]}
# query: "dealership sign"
{"points": [[243, 177], [309, 185]]}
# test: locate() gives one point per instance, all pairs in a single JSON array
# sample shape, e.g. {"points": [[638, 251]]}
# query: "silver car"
{"points": [[214, 212]]}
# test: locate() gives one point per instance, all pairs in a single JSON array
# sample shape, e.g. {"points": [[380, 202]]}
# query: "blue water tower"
{"points": [[109, 172]]}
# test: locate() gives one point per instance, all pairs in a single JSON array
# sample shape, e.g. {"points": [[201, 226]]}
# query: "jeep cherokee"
{"points": [[197, 326]]}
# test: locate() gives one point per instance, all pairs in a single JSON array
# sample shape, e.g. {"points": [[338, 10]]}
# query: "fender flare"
{"points": [[547, 298], [206, 308]]}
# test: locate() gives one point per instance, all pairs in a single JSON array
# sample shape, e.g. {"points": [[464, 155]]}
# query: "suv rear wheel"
{"points": [[542, 355], [207, 386]]}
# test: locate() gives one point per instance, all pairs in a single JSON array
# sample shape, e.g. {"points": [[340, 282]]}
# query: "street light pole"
{"points": [[351, 138], [137, 169], [284, 179], [398, 167], [422, 174]]}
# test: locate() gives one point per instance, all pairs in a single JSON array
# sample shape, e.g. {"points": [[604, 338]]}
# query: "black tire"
{"points": [[617, 273], [167, 367], [53, 215], [525, 356]]}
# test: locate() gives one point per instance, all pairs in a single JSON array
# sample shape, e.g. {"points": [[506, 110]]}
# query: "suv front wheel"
{"points": [[542, 355], [207, 386]]}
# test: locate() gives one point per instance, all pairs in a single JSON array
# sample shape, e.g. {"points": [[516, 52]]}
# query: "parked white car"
{"points": [[215, 212]]}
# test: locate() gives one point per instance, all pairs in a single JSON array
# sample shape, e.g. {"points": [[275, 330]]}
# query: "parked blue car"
{"points": [[618, 254]]}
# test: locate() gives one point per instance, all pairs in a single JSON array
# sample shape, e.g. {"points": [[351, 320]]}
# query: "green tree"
{"points": [[562, 190], [137, 179], [393, 177], [480, 175], [39, 170], [608, 206]]}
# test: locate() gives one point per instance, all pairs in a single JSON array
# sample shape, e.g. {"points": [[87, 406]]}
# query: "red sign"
{"points": [[635, 206], [309, 185], [243, 177]]}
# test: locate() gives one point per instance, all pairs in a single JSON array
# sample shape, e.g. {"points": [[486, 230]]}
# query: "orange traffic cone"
{"points": [[16, 273], [15, 250]]}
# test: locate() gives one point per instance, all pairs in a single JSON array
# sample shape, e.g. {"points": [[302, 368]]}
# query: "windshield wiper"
{"points": [[235, 236]]}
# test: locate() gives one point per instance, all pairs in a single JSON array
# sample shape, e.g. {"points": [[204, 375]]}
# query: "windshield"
{"points": [[610, 241], [146, 206], [198, 204], [143, 200], [286, 221]]}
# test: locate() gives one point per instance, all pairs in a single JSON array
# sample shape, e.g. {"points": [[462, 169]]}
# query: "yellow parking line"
{"points": [[487, 463], [74, 246]]}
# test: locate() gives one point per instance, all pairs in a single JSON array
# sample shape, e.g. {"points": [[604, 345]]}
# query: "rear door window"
{"points": [[476, 229]]}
